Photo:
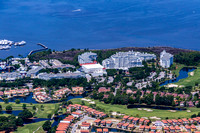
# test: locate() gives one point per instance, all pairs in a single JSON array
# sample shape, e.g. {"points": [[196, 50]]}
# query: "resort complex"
{"points": [[102, 92], [125, 60], [87, 58]]}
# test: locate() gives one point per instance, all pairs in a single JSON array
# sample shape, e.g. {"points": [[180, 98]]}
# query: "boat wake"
{"points": [[77, 10]]}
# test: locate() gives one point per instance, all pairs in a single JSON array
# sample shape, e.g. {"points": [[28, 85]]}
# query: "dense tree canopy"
{"points": [[61, 82], [25, 114], [46, 126], [8, 123], [189, 59]]}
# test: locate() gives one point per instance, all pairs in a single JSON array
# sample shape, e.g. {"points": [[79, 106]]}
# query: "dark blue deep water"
{"points": [[98, 24], [29, 99], [14, 112]]}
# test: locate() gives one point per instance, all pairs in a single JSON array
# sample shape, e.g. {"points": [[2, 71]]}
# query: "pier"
{"points": [[38, 50]]}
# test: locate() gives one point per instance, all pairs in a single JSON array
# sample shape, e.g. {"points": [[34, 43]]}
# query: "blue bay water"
{"points": [[99, 24]]}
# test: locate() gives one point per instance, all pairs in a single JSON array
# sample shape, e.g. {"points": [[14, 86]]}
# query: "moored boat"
{"points": [[20, 43]]}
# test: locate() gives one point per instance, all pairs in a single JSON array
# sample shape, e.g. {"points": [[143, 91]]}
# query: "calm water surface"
{"points": [[65, 24], [29, 99]]}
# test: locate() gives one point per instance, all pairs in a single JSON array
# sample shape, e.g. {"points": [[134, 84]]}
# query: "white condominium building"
{"points": [[87, 57], [125, 60], [166, 59]]}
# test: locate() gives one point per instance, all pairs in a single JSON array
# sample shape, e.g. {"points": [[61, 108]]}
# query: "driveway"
{"points": [[85, 118]]}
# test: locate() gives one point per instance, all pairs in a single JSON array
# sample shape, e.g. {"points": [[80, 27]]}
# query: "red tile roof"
{"points": [[125, 124], [171, 128], [85, 131], [125, 117], [177, 127], [153, 128], [97, 121], [131, 125], [142, 126], [105, 130], [99, 130], [108, 122]]}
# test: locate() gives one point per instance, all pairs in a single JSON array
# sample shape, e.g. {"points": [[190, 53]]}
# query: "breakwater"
{"points": [[38, 50]]}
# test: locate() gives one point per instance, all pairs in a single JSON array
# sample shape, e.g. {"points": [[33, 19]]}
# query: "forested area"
{"points": [[189, 59]]}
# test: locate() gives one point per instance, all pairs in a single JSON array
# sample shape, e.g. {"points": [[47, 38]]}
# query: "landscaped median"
{"points": [[141, 112]]}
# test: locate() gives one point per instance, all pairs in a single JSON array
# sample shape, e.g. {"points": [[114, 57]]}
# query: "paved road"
{"points": [[79, 122]]}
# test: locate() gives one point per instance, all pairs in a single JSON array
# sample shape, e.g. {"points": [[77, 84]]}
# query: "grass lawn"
{"points": [[29, 128], [142, 113], [179, 67], [48, 109], [191, 80], [41, 112]]}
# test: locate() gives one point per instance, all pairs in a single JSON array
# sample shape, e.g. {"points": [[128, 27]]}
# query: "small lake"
{"points": [[14, 112], [155, 107], [182, 74], [35, 120], [29, 99], [56, 120]]}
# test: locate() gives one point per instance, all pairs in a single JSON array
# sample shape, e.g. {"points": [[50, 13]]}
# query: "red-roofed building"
{"points": [[76, 114], [166, 129], [1, 93], [153, 128], [125, 126], [131, 126], [125, 117], [77, 90], [180, 122], [85, 131], [103, 89], [175, 122], [77, 106], [147, 128], [85, 126], [62, 126], [165, 123], [169, 121], [135, 120], [97, 122], [146, 122], [193, 128], [119, 125], [185, 121], [188, 128], [177, 128], [141, 121], [108, 123], [103, 123], [141, 128], [105, 130], [172, 129], [60, 132], [130, 119], [99, 130], [84, 107]]}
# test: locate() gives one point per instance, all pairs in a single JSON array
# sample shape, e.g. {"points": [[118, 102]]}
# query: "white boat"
{"points": [[6, 42], [20, 43], [5, 47]]}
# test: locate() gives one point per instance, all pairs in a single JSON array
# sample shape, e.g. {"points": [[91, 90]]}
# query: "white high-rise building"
{"points": [[125, 60], [166, 59]]}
